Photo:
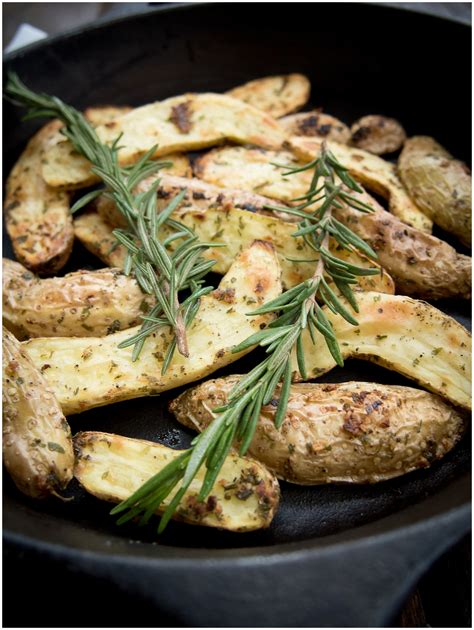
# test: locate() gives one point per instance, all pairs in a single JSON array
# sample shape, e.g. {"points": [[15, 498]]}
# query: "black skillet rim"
{"points": [[178, 6]]}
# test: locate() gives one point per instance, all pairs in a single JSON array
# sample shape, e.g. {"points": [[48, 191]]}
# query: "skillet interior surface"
{"points": [[357, 65]]}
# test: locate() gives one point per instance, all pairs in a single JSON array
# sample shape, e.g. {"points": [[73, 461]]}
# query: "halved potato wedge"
{"points": [[37, 444], [253, 169], [376, 174], [420, 264], [215, 215], [277, 96], [345, 432], [405, 335], [181, 123], [80, 169], [37, 216], [200, 197], [89, 372], [316, 124], [241, 228], [244, 497], [256, 170], [82, 304]]}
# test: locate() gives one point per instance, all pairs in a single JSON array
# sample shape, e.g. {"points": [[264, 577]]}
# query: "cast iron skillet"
{"points": [[336, 555]]}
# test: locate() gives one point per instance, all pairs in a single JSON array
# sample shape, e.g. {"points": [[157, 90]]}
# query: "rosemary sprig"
{"points": [[298, 309], [160, 271]]}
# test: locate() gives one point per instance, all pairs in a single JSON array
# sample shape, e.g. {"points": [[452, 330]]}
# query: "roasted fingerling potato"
{"points": [[80, 304], [347, 432], [37, 216], [93, 371], [316, 124], [377, 134], [37, 444], [105, 113], [198, 196], [374, 173], [181, 123], [277, 96], [96, 234], [244, 496], [421, 265], [439, 184], [408, 336]]}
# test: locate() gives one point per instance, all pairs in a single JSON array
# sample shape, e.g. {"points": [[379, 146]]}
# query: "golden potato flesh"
{"points": [[346, 432], [277, 96], [408, 336], [244, 497], [374, 173], [421, 265], [199, 197], [231, 217], [37, 216], [257, 170]]}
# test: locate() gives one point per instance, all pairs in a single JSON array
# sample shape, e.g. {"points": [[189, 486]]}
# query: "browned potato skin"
{"points": [[37, 216], [348, 432], [316, 124], [440, 185], [80, 304], [377, 134], [277, 96], [421, 265], [37, 445], [244, 497]]}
